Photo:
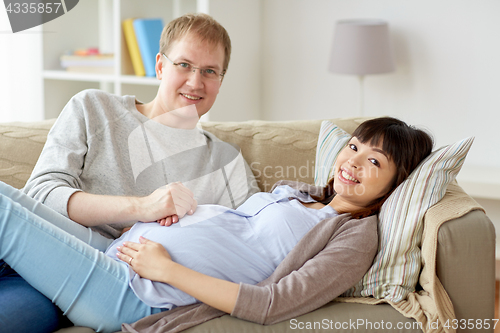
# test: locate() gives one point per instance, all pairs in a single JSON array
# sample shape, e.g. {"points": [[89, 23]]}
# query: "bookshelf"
{"points": [[99, 23]]}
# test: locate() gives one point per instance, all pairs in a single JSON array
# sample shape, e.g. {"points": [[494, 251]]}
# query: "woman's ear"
{"points": [[159, 66]]}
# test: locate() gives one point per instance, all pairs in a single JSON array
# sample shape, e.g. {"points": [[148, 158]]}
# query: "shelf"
{"points": [[106, 33], [92, 77], [132, 79], [98, 23], [87, 77]]}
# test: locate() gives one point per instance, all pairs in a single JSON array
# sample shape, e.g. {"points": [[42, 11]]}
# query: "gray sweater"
{"points": [[101, 144], [332, 257]]}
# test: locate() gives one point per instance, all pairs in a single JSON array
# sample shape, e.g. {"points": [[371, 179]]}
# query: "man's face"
{"points": [[179, 89]]}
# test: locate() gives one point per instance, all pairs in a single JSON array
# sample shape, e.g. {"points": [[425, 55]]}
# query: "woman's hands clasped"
{"points": [[168, 204]]}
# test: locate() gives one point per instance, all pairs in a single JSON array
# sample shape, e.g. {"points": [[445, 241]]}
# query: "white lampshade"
{"points": [[361, 47]]}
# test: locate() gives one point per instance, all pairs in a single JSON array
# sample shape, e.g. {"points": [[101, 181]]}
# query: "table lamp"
{"points": [[361, 47]]}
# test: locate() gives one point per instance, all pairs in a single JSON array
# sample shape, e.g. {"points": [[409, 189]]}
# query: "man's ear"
{"points": [[159, 66]]}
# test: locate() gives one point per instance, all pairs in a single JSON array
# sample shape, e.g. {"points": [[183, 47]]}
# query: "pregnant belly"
{"points": [[227, 250]]}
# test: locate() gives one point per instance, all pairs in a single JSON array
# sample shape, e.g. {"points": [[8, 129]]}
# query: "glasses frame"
{"points": [[193, 68]]}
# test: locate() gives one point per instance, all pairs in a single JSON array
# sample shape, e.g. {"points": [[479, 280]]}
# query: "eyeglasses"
{"points": [[208, 73]]}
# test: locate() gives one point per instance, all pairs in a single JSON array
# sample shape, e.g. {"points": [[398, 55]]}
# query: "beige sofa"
{"points": [[286, 150]]}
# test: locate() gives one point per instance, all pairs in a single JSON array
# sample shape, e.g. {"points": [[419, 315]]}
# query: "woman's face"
{"points": [[363, 173]]}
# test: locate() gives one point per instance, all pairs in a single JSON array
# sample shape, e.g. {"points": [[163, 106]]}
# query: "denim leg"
{"points": [[85, 234], [23, 309], [28, 310], [91, 288]]}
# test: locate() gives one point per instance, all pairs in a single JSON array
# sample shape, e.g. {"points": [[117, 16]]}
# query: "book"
{"points": [[148, 33], [133, 47], [91, 69], [102, 60]]}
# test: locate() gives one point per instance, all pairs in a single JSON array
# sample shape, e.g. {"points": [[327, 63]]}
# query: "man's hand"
{"points": [[168, 204], [165, 205]]}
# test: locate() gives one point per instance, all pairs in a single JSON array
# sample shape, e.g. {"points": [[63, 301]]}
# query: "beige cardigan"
{"points": [[425, 306]]}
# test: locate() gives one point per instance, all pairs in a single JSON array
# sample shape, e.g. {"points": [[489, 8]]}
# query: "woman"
{"points": [[76, 276]]}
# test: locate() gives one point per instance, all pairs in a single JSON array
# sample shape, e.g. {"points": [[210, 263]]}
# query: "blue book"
{"points": [[148, 33]]}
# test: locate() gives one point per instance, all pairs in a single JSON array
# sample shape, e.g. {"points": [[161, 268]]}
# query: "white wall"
{"points": [[240, 95], [20, 69], [447, 55], [447, 73]]}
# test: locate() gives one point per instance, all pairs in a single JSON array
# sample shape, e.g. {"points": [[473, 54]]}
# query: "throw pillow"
{"points": [[396, 267], [332, 139]]}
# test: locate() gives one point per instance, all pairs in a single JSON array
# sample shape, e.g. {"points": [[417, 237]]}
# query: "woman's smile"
{"points": [[347, 177]]}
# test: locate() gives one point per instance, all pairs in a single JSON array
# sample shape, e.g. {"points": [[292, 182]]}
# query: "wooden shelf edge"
{"points": [[93, 77]]}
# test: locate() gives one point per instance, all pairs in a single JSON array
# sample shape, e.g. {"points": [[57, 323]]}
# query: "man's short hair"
{"points": [[200, 25]]}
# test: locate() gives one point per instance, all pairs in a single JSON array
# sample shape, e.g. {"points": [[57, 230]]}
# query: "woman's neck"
{"points": [[343, 206]]}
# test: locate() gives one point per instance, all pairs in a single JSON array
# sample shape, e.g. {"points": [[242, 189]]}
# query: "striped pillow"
{"points": [[396, 267], [330, 142]]}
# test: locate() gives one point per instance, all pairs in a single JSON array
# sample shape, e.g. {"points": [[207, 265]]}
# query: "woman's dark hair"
{"points": [[405, 145]]}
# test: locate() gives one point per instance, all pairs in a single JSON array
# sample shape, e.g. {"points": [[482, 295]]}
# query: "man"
{"points": [[110, 161]]}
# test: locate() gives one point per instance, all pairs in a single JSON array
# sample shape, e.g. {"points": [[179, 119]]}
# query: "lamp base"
{"points": [[361, 95]]}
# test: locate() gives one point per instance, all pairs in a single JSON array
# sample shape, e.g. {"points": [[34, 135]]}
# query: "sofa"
{"points": [[465, 257]]}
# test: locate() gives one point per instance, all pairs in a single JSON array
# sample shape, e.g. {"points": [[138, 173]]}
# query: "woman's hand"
{"points": [[169, 220], [148, 259], [167, 204], [151, 261]]}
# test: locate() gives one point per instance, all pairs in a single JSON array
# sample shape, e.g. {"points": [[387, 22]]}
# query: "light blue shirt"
{"points": [[243, 245]]}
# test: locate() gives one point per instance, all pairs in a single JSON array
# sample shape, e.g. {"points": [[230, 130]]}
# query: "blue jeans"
{"points": [[23, 309], [63, 260]]}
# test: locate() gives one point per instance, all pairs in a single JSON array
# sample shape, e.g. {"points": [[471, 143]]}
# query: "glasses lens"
{"points": [[211, 74], [184, 67], [208, 73]]}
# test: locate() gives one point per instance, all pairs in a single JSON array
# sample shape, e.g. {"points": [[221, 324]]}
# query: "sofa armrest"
{"points": [[466, 266]]}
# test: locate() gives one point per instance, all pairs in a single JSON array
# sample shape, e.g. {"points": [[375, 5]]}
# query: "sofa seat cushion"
{"points": [[334, 317]]}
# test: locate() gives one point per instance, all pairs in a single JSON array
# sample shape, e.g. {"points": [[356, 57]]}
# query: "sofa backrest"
{"points": [[20, 146], [277, 150], [274, 150]]}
